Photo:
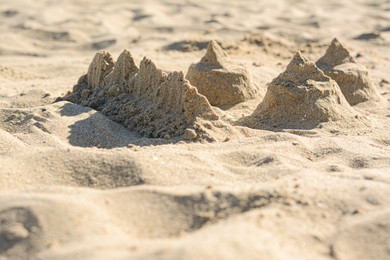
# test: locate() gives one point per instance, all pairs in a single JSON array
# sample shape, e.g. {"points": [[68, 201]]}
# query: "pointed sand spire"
{"points": [[300, 69], [353, 79], [215, 55], [336, 54]]}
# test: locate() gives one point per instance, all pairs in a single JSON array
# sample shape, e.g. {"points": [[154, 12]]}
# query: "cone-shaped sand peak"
{"points": [[302, 97], [215, 55], [149, 101], [336, 54], [353, 79], [221, 80], [300, 69]]}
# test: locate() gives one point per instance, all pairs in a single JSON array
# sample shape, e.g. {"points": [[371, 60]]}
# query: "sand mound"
{"points": [[219, 79], [145, 100], [353, 79], [301, 97]]}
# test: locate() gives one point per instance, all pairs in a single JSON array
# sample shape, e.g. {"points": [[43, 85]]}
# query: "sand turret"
{"points": [[220, 79], [302, 97], [353, 79]]}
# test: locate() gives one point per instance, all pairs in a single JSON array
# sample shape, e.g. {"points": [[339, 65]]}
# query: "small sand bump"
{"points": [[189, 134]]}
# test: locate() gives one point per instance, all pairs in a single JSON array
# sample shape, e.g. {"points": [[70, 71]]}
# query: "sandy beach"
{"points": [[194, 129]]}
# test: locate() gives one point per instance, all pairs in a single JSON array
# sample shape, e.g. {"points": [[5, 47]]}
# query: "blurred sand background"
{"points": [[76, 185]]}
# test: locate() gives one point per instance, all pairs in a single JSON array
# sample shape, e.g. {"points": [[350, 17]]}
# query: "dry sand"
{"points": [[141, 166]]}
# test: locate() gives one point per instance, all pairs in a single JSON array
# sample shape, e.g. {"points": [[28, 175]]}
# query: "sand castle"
{"points": [[301, 97], [219, 79], [145, 100], [353, 79]]}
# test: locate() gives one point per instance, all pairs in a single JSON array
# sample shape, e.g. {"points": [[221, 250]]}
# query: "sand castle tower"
{"points": [[353, 79], [219, 79], [301, 97]]}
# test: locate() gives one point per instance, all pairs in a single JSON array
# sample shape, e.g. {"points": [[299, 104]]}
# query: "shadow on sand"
{"points": [[97, 130]]}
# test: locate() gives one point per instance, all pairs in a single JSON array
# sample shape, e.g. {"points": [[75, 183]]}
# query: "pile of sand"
{"points": [[145, 100], [353, 79], [220, 79], [302, 97]]}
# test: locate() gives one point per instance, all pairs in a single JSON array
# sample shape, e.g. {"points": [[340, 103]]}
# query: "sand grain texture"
{"points": [[105, 154]]}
